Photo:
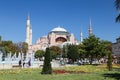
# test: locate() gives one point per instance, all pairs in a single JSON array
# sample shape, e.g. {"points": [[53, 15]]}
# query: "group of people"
{"points": [[23, 63]]}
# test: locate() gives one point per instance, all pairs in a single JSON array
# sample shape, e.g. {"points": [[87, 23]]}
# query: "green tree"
{"points": [[102, 49], [24, 47], [13, 48], [64, 51], [53, 54], [2, 49], [6, 43], [47, 69], [55, 51], [72, 52], [94, 48], [9, 47], [39, 54], [109, 52], [0, 39], [81, 51], [91, 47], [117, 5]]}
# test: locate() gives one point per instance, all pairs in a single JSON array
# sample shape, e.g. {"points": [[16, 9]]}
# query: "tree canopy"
{"points": [[72, 52], [94, 48], [55, 51], [39, 54], [117, 6], [9, 46], [0, 38]]}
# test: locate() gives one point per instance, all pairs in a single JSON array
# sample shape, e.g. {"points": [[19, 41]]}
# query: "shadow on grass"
{"points": [[95, 64], [112, 75], [117, 69]]}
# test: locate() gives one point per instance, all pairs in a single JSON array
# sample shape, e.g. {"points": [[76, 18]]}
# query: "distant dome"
{"points": [[59, 29]]}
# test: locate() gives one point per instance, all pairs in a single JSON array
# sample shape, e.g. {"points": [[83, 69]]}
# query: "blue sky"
{"points": [[73, 15]]}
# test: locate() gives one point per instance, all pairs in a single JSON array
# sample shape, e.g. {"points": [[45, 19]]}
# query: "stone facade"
{"points": [[116, 51], [56, 37], [116, 47]]}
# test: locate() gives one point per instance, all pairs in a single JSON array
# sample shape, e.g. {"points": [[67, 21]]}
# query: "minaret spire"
{"points": [[28, 17], [28, 20], [81, 36], [90, 28], [28, 31]]}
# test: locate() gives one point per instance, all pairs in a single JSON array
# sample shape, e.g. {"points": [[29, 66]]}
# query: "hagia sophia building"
{"points": [[56, 37]]}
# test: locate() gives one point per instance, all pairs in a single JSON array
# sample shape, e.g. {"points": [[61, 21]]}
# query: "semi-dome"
{"points": [[59, 29]]}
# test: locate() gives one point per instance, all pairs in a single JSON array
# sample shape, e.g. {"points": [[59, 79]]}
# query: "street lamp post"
{"points": [[20, 48]]}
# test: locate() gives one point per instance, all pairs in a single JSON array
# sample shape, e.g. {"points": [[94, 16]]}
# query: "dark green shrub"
{"points": [[47, 69], [109, 63]]}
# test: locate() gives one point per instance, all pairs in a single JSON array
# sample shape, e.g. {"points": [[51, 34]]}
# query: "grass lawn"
{"points": [[91, 73]]}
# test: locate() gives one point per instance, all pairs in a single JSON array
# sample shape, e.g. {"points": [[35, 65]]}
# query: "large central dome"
{"points": [[59, 29]]}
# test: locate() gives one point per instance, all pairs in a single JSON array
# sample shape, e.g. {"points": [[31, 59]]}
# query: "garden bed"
{"points": [[67, 72]]}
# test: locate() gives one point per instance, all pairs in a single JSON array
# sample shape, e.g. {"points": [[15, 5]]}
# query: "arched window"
{"points": [[60, 40]]}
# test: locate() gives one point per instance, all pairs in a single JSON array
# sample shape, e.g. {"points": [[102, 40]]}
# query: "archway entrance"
{"points": [[60, 40]]}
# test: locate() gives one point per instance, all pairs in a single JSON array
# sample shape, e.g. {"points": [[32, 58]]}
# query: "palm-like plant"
{"points": [[117, 5]]}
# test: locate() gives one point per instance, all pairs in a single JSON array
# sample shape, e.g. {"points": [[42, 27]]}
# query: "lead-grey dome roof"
{"points": [[59, 29]]}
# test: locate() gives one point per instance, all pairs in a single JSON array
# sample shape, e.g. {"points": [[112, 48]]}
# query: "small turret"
{"points": [[81, 36], [28, 20], [90, 29]]}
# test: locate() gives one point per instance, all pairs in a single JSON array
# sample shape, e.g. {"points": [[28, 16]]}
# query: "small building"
{"points": [[116, 51], [116, 47]]}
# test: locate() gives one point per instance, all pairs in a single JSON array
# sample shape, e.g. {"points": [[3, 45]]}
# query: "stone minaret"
{"points": [[28, 31], [81, 37], [90, 29], [30, 35]]}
